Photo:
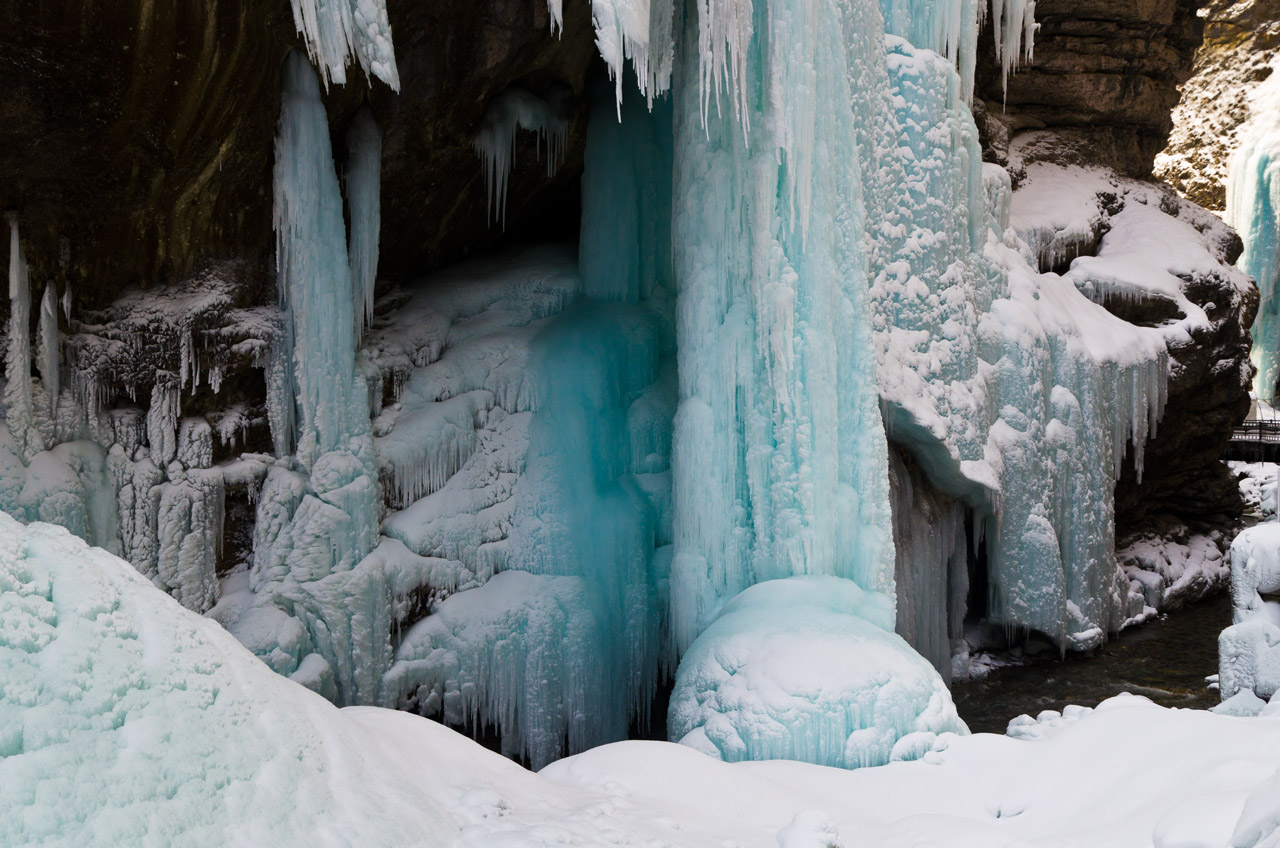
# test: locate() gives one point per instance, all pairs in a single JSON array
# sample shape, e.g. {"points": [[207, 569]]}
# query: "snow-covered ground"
{"points": [[128, 720]]}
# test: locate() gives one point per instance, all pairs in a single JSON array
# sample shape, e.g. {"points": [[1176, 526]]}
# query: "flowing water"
{"points": [[1166, 660]]}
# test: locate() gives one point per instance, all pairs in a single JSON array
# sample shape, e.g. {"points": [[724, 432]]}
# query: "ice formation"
{"points": [[808, 668], [508, 113], [1253, 208], [554, 473], [583, 466], [1249, 650], [363, 177], [336, 31]]}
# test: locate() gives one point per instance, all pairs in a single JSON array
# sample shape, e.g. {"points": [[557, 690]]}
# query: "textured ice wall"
{"points": [[999, 378]]}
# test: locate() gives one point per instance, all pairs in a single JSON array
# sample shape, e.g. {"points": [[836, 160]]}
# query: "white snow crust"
{"points": [[127, 719]]}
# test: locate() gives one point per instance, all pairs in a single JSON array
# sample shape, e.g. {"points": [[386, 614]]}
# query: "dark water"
{"points": [[1166, 660]]}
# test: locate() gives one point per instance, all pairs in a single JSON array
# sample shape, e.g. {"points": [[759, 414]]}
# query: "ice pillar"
{"points": [[780, 464]]}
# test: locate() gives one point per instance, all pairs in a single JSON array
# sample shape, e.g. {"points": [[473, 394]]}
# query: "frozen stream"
{"points": [[1166, 661]]}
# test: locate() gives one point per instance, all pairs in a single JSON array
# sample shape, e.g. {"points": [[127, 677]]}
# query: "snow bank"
{"points": [[126, 719], [808, 669]]}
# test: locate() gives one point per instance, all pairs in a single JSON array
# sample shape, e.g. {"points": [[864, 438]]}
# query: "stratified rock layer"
{"points": [[1104, 76], [1240, 42]]}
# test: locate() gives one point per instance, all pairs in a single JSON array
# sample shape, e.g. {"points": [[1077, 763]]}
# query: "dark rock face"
{"points": [[1105, 75], [1240, 40], [136, 139], [1184, 482]]}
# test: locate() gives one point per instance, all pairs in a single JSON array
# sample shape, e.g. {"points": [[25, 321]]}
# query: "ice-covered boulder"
{"points": [[1249, 650], [808, 668]]}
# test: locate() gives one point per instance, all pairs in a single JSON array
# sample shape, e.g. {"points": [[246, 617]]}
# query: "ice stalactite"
{"points": [[48, 359], [780, 456], [642, 33], [1014, 24], [338, 30], [19, 398], [364, 206], [494, 143]]}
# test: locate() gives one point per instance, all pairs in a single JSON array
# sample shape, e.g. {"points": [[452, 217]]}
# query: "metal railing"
{"points": [[1257, 431]]}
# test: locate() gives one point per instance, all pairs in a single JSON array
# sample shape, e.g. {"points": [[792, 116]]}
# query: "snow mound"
{"points": [[808, 668], [126, 720]]}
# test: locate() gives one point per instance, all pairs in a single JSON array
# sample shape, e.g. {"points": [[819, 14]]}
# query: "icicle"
{"points": [[47, 355], [18, 394], [364, 204]]}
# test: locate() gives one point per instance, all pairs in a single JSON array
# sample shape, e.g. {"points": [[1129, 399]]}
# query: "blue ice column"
{"points": [[780, 464], [318, 512], [1253, 208]]}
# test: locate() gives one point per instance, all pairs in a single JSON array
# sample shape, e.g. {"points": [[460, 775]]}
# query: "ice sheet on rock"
{"points": [[808, 669], [1257, 487], [337, 31], [519, 654], [413, 325], [1249, 650], [1169, 572]]}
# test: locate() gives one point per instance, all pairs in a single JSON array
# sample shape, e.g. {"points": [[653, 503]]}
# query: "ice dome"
{"points": [[808, 668]]}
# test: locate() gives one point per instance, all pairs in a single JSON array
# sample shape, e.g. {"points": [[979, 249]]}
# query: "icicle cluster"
{"points": [[338, 30], [508, 113]]}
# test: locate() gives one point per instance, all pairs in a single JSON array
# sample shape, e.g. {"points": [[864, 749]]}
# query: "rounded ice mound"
{"points": [[808, 668]]}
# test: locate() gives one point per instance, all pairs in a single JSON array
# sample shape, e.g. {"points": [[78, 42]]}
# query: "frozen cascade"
{"points": [[508, 113], [580, 603], [1253, 208], [364, 207], [779, 453], [338, 30]]}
